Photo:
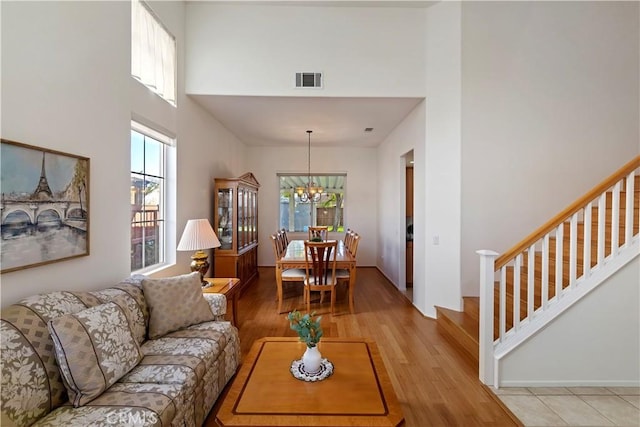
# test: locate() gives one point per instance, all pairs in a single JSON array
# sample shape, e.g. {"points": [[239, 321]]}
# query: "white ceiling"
{"points": [[283, 121]]}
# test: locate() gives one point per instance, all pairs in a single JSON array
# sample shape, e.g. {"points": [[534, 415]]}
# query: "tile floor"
{"points": [[573, 406]]}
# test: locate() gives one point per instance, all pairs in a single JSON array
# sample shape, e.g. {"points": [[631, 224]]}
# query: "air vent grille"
{"points": [[304, 79]]}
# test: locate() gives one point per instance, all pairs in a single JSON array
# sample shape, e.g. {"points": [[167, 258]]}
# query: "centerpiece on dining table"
{"points": [[312, 366]]}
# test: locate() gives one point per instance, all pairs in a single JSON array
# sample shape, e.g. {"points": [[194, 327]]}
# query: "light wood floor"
{"points": [[435, 383]]}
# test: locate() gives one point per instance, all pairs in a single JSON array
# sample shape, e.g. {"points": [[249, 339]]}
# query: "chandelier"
{"points": [[311, 191]]}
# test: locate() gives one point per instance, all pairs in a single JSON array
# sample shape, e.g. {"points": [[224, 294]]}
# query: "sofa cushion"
{"points": [[94, 348], [175, 303], [208, 352], [138, 405], [130, 297], [31, 382]]}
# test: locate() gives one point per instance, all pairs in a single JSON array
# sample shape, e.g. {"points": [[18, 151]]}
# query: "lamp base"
{"points": [[199, 263]]}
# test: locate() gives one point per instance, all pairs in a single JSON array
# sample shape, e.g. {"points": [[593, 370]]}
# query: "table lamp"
{"points": [[198, 235]]}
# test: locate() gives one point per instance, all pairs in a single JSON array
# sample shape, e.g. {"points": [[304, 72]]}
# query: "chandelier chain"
{"points": [[311, 192]]}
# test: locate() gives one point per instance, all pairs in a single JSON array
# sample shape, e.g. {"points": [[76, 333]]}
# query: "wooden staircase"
{"points": [[462, 328]]}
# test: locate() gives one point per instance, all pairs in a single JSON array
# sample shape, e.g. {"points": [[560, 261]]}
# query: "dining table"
{"points": [[294, 258]]}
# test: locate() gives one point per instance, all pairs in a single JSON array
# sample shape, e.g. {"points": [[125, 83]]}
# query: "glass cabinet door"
{"points": [[241, 241], [225, 218], [253, 229]]}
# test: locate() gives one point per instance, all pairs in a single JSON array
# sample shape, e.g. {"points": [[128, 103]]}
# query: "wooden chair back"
{"points": [[285, 238], [353, 244], [320, 263], [347, 237], [320, 266], [282, 241], [277, 250], [316, 232]]}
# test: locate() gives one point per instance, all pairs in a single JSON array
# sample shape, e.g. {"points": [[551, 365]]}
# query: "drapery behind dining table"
{"points": [[294, 258]]}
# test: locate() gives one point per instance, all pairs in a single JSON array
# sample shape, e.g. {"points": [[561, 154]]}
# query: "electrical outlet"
{"points": [[436, 240]]}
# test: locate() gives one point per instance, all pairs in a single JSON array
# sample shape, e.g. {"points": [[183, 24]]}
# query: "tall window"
{"points": [[153, 52], [148, 196], [296, 215]]}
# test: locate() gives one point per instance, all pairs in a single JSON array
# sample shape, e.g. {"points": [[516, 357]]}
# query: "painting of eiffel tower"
{"points": [[44, 206]]}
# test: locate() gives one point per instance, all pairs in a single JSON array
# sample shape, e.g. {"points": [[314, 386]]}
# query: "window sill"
{"points": [[157, 268]]}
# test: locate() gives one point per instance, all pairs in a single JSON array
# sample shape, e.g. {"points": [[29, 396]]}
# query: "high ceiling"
{"points": [[283, 121], [335, 121]]}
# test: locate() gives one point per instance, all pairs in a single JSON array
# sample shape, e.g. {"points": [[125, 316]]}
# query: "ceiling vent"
{"points": [[309, 80]]}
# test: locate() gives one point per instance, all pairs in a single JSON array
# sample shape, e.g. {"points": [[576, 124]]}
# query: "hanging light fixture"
{"points": [[311, 191]]}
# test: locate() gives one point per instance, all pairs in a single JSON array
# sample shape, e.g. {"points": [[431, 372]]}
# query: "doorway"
{"points": [[409, 197]]}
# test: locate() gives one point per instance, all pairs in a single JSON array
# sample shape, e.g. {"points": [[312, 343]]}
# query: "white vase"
{"points": [[311, 360]]}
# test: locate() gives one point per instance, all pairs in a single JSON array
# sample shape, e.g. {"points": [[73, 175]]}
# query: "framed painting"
{"points": [[44, 206]]}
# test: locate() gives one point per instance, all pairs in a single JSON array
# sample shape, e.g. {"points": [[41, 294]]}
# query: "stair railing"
{"points": [[553, 267]]}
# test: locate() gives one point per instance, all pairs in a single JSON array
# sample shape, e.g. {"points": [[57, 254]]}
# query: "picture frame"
{"points": [[44, 205]]}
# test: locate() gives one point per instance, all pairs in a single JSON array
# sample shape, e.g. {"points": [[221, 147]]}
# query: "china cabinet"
{"points": [[236, 224]]}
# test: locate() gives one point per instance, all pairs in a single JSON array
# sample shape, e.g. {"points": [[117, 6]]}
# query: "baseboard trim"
{"points": [[571, 383]]}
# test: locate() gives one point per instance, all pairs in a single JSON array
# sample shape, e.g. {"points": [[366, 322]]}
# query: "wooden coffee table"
{"points": [[265, 393]]}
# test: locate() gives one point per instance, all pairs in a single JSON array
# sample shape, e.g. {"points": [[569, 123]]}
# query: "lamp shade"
{"points": [[198, 234]]}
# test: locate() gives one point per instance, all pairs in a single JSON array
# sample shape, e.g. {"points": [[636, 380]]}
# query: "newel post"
{"points": [[487, 263]]}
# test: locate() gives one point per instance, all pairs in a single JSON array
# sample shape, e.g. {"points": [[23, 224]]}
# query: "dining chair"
{"points": [[320, 266], [343, 274], [353, 243], [316, 232], [285, 238], [289, 274], [347, 237], [282, 241]]}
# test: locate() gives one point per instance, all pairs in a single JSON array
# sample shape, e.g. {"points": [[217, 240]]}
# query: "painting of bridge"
{"points": [[44, 206]]}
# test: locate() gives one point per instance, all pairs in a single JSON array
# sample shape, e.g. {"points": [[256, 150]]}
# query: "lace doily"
{"points": [[325, 371]]}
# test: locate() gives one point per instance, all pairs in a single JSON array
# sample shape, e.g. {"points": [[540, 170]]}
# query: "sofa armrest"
{"points": [[218, 304]]}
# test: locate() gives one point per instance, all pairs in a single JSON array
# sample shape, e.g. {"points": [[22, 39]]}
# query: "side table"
{"points": [[229, 287]]}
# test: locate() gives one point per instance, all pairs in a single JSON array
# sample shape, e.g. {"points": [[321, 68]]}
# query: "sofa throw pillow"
{"points": [[94, 349], [175, 303]]}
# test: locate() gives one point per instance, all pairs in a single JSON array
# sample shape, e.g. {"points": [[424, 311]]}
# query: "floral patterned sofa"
{"points": [[117, 356]]}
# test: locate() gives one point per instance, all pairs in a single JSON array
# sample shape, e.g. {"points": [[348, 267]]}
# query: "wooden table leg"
{"points": [[279, 286], [234, 308], [352, 285]]}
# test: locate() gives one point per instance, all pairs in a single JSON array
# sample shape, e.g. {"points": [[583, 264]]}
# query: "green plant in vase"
{"points": [[311, 365], [308, 329]]}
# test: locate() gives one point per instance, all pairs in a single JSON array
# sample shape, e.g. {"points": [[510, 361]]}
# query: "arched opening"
{"points": [[48, 219], [15, 224]]}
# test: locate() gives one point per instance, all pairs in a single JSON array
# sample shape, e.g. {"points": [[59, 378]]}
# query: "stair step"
{"points": [[461, 328], [472, 307]]}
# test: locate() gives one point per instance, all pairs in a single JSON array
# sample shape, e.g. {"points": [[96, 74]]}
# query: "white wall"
{"points": [[440, 200], [433, 130], [360, 165], [596, 342], [255, 49], [550, 107], [67, 86], [391, 248]]}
